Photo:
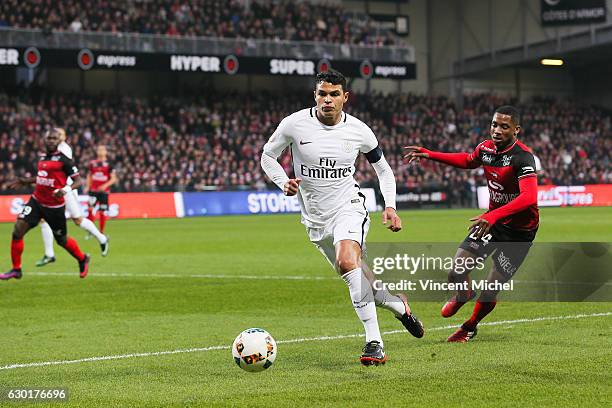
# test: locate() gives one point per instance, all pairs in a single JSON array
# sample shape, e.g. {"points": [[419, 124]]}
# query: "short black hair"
{"points": [[333, 77], [510, 111]]}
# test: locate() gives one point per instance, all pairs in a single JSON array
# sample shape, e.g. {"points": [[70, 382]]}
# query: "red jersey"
{"points": [[53, 171], [100, 171], [503, 171]]}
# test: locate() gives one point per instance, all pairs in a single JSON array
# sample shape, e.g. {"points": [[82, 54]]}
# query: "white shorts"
{"points": [[351, 223], [73, 208]]}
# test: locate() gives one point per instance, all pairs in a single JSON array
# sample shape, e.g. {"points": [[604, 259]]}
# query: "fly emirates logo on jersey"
{"points": [[326, 170]]}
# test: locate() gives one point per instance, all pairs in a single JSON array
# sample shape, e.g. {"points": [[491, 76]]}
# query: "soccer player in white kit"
{"points": [[73, 211], [324, 143]]}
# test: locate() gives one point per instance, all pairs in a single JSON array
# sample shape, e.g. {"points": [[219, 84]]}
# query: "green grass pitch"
{"points": [[188, 284]]}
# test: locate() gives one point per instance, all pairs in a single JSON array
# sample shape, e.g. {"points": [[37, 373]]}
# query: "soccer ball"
{"points": [[254, 350]]}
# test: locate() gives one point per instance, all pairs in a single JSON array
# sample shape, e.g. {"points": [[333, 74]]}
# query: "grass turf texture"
{"points": [[61, 317]]}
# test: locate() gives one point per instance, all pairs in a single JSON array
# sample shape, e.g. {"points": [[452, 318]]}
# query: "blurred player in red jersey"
{"points": [[73, 212], [100, 178], [510, 225], [47, 202]]}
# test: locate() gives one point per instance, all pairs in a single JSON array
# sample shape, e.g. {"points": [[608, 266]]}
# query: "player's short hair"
{"points": [[333, 77], [510, 111], [50, 131], [61, 132]]}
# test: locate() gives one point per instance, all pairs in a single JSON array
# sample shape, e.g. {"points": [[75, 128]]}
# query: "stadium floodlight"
{"points": [[552, 62]]}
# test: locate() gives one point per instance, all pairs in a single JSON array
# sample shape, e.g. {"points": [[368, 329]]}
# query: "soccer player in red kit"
{"points": [[507, 230], [99, 181], [47, 202]]}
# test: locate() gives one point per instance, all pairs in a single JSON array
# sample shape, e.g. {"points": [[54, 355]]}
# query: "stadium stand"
{"points": [[194, 144], [284, 20]]}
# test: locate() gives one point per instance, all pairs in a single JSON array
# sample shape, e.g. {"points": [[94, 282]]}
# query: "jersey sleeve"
{"points": [[524, 165], [279, 140], [369, 142], [474, 157], [70, 168]]}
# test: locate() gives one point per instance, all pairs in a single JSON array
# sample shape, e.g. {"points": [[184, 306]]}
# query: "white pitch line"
{"points": [[201, 276], [300, 340]]}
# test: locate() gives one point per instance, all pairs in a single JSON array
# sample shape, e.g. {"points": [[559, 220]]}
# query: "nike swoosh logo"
{"points": [[353, 232], [303, 143]]}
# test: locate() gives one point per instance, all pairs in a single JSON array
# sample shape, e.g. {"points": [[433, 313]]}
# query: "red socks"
{"points": [[102, 221], [90, 215], [16, 251], [73, 248], [481, 309]]}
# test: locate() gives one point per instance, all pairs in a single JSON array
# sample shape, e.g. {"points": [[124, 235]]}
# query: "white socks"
{"points": [[362, 298], [90, 227], [47, 236], [390, 302]]}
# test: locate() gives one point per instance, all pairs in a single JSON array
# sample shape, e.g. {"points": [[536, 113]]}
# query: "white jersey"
{"points": [[67, 151], [324, 158]]}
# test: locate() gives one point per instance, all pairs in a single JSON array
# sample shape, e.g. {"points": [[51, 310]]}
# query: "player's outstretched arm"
{"points": [[22, 182], [459, 160]]}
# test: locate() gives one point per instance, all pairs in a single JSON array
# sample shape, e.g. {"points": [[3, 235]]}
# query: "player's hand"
{"points": [[415, 153], [480, 227], [58, 192], [291, 187], [389, 215]]}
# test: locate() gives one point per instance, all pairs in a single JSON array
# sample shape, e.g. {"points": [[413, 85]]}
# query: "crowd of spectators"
{"points": [[214, 141], [255, 19]]}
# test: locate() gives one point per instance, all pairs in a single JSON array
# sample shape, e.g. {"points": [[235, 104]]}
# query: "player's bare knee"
{"points": [[77, 221], [346, 264]]}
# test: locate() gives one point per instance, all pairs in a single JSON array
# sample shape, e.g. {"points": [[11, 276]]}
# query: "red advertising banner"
{"points": [[121, 205], [142, 205], [10, 206], [590, 195]]}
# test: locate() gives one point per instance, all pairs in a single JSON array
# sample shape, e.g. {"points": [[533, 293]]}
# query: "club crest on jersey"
{"points": [[347, 147], [506, 160]]}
